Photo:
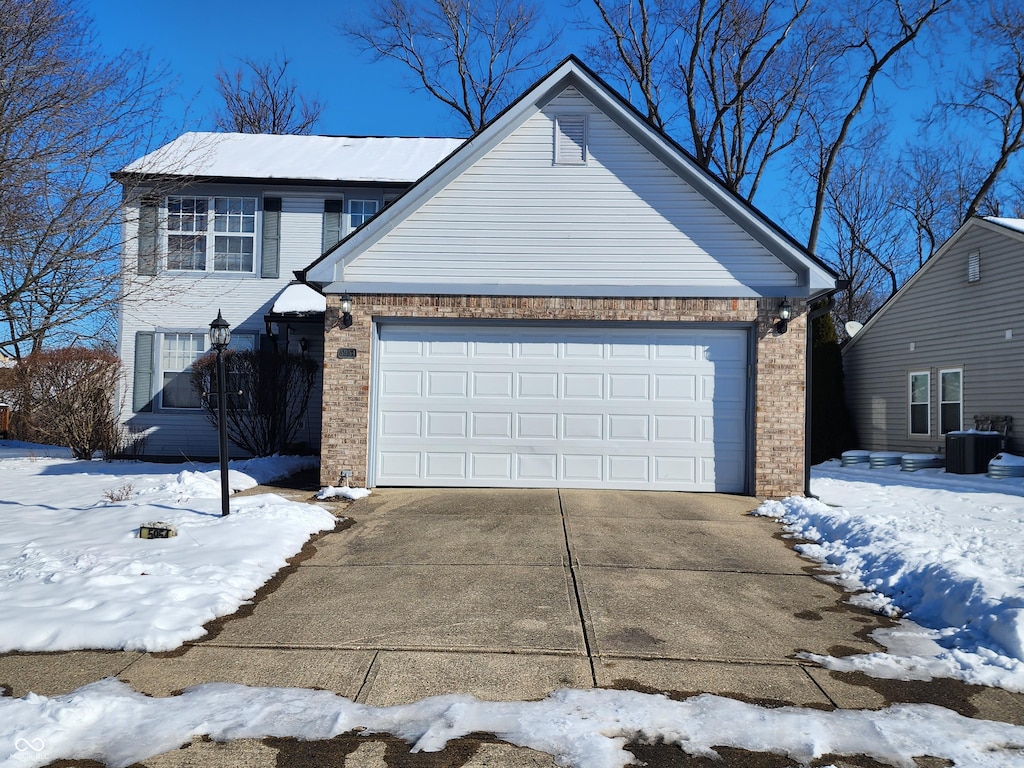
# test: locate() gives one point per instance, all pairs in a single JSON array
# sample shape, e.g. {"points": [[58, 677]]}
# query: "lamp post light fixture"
{"points": [[220, 337], [346, 310], [785, 314]]}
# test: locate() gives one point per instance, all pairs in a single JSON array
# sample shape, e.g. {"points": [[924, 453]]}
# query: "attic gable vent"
{"points": [[570, 140], [974, 266]]}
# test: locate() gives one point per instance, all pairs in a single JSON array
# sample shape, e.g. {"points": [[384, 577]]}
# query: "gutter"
{"points": [[812, 315]]}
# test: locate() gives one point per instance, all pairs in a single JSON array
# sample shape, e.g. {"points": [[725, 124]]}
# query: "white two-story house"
{"points": [[221, 222]]}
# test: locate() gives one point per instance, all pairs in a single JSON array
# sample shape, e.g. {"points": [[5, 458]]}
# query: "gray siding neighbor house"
{"points": [[946, 347]]}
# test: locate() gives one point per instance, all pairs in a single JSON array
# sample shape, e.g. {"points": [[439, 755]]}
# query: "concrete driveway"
{"points": [[509, 595]]}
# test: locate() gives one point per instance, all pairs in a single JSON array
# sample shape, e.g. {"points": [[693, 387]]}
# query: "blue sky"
{"points": [[362, 98]]}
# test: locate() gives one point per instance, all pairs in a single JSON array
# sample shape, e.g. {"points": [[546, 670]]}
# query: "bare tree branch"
{"points": [[467, 54], [260, 98]]}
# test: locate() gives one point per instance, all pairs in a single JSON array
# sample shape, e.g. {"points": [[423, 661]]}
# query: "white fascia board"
{"points": [[563, 289]]}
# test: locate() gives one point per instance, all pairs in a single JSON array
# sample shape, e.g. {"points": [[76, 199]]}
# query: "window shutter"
{"points": [[142, 395], [571, 140], [270, 260], [149, 209], [334, 211]]}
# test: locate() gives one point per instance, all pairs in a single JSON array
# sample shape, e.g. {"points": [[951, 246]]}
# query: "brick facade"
{"points": [[778, 367]]}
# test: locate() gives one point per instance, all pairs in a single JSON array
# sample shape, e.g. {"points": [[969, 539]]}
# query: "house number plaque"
{"points": [[346, 353]]}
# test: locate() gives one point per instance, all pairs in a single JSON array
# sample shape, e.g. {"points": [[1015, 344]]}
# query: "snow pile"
{"points": [[109, 722], [74, 574], [951, 561], [344, 492]]}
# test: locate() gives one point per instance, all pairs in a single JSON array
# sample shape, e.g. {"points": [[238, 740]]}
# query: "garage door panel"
{"points": [[587, 386], [538, 385], [499, 405], [440, 424], [446, 384], [492, 425], [583, 426], [493, 384], [537, 426], [622, 386], [491, 466]]}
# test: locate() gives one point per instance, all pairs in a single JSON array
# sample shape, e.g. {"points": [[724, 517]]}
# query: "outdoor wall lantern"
{"points": [[785, 313], [346, 310], [220, 337]]}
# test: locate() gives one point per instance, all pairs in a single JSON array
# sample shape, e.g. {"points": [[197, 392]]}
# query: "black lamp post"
{"points": [[220, 337]]}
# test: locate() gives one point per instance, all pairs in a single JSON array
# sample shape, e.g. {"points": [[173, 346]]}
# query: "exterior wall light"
{"points": [[785, 314], [220, 337], [346, 310]]}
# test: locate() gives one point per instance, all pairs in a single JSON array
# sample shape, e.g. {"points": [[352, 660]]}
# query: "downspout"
{"points": [[812, 315]]}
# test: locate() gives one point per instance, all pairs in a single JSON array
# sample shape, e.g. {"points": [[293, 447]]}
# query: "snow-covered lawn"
{"points": [[74, 574], [942, 550]]}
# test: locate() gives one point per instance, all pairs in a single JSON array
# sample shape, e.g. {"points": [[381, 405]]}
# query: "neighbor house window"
{"points": [[211, 234], [951, 400], [177, 353], [920, 406], [360, 212]]}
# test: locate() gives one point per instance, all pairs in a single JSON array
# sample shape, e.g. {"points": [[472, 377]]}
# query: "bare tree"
{"points": [[68, 115], [992, 100], [876, 33], [738, 74], [467, 54], [259, 97]]}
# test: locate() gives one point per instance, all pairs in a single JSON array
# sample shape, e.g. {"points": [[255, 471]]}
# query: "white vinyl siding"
{"points": [[584, 407], [624, 218], [951, 400], [920, 403]]}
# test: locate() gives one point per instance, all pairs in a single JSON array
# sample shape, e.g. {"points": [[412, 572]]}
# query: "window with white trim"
{"points": [[920, 403], [951, 400], [177, 353], [211, 234], [360, 212]]}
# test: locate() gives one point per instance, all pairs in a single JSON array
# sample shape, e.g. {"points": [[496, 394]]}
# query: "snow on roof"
{"points": [[326, 158], [1017, 224], [299, 298]]}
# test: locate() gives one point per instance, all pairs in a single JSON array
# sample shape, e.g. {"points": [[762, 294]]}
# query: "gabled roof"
{"points": [[814, 276], [257, 157], [1009, 227]]}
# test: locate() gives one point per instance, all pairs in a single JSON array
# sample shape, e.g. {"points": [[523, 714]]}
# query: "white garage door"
{"points": [[526, 406]]}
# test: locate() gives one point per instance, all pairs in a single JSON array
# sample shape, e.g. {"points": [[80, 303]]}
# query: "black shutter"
{"points": [[271, 248], [333, 213], [142, 394], [149, 210]]}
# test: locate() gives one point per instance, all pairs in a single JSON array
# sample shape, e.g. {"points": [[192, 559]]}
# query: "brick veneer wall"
{"points": [[778, 367]]}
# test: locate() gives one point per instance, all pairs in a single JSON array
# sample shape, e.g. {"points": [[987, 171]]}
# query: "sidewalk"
{"points": [[508, 595]]}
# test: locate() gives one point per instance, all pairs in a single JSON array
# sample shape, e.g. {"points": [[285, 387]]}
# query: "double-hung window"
{"points": [[211, 234], [920, 403], [951, 400], [177, 353]]}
